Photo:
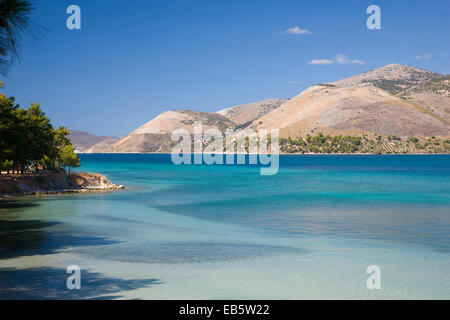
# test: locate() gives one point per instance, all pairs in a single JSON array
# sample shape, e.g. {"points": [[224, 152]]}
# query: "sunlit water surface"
{"points": [[226, 232]]}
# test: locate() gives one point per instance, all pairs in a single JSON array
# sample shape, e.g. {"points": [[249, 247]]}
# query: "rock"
{"points": [[54, 183], [24, 187]]}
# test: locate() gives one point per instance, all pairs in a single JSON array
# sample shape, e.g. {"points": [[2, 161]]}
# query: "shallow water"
{"points": [[226, 232]]}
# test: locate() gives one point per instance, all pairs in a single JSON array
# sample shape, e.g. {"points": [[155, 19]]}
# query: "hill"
{"points": [[155, 136], [351, 110], [244, 115], [433, 96], [395, 108], [393, 78], [82, 140]]}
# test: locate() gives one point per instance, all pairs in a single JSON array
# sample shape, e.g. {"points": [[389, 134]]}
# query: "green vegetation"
{"points": [[68, 158], [393, 137], [391, 86], [15, 21], [373, 144], [29, 143], [321, 144], [440, 85]]}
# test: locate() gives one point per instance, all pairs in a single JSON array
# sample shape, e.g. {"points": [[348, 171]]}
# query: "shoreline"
{"points": [[49, 183], [285, 154]]}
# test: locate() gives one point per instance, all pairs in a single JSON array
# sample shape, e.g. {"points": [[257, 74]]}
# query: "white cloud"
{"points": [[296, 30], [340, 58], [424, 56], [343, 59], [321, 61]]}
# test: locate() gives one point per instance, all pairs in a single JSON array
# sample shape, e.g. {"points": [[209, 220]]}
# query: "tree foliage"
{"points": [[67, 157], [15, 22], [369, 144], [28, 141]]}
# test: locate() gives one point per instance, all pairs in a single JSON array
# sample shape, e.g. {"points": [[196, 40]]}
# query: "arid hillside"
{"points": [[351, 110], [82, 140], [392, 78], [155, 136], [433, 96], [245, 114], [388, 104], [102, 146]]}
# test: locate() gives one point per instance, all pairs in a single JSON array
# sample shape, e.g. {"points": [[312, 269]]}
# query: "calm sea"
{"points": [[226, 232]]}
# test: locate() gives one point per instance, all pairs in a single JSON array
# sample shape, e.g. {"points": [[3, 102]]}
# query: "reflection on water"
{"points": [[344, 211], [50, 283], [185, 252], [34, 237]]}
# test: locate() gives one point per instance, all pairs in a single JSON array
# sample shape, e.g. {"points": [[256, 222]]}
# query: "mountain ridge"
{"points": [[393, 78], [394, 100], [82, 140], [244, 114]]}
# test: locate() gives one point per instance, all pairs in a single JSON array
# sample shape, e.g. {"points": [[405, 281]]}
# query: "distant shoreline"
{"points": [[287, 154]]}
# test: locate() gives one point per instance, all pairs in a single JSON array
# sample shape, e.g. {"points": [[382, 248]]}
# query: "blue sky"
{"points": [[135, 59]]}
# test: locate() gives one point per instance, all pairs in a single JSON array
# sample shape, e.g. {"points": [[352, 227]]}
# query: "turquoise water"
{"points": [[226, 232]]}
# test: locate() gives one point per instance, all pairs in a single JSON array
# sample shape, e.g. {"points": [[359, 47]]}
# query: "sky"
{"points": [[132, 60]]}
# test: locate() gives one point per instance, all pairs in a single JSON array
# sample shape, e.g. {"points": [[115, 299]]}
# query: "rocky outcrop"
{"points": [[54, 183]]}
